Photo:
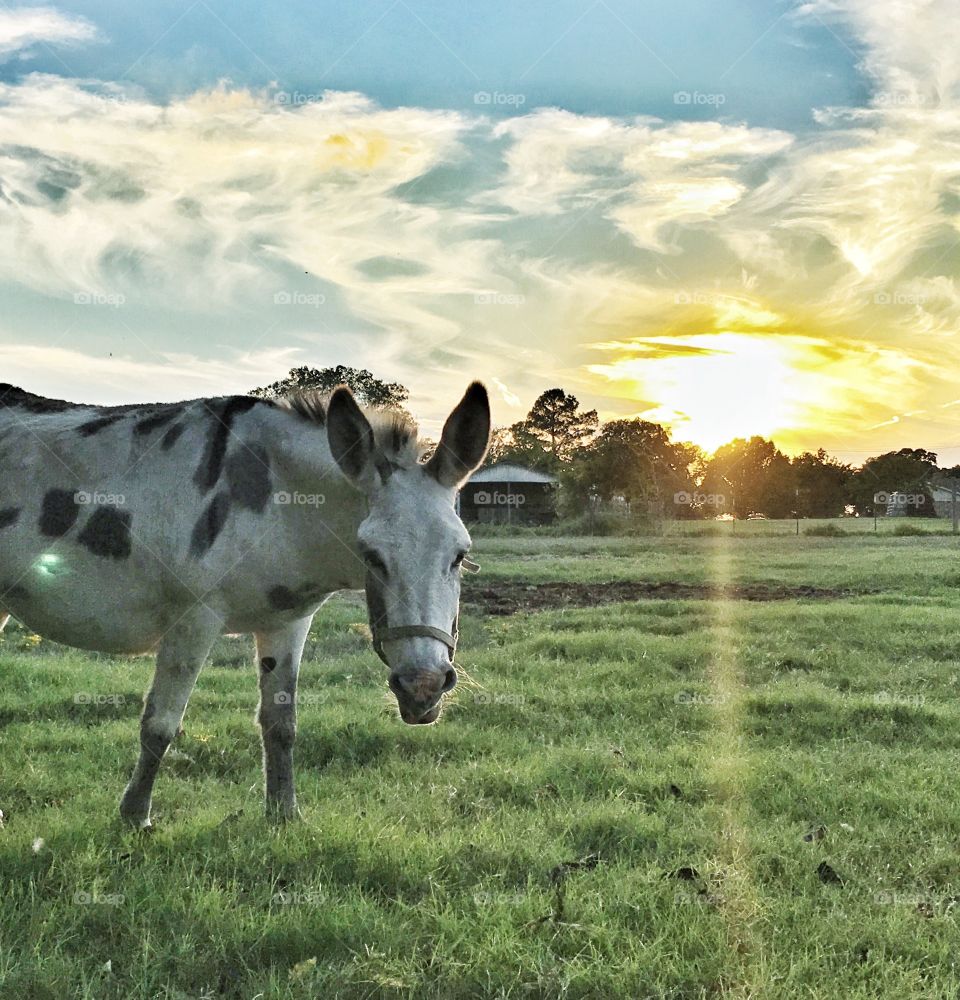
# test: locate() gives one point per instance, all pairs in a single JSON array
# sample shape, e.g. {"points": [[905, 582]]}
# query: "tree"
{"points": [[558, 420], [754, 477], [368, 389], [635, 460], [822, 484], [520, 444]]}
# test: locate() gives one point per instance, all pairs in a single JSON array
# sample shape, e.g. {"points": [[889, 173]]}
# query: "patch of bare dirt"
{"points": [[511, 597]]}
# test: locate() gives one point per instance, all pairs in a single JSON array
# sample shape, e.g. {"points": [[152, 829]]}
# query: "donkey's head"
{"points": [[412, 541]]}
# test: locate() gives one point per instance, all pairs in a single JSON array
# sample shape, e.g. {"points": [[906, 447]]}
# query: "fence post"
{"points": [[953, 503]]}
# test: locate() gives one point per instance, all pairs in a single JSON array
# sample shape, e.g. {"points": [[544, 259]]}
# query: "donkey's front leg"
{"points": [[181, 655], [278, 659]]}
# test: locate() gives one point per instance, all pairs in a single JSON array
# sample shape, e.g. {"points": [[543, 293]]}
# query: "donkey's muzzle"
{"points": [[419, 693]]}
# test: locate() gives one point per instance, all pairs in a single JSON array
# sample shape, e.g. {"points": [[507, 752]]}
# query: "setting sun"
{"points": [[710, 388]]}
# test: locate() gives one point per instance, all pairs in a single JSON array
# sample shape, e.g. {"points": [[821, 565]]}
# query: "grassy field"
{"points": [[687, 797]]}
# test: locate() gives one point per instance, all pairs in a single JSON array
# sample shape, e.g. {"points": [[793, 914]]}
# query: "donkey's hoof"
{"points": [[135, 816]]}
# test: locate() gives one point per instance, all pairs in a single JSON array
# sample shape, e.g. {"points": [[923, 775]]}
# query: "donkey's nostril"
{"points": [[395, 686], [450, 680]]}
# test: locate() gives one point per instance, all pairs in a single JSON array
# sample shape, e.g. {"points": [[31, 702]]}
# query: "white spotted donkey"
{"points": [[160, 527]]}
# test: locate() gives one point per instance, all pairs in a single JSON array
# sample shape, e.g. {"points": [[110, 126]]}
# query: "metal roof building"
{"points": [[508, 494], [506, 472]]}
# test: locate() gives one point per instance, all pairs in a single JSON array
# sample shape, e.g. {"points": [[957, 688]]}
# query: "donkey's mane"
{"points": [[395, 432]]}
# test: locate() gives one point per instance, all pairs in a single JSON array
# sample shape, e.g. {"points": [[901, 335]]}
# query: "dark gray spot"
{"points": [[376, 601], [268, 663], [248, 476], [58, 513], [8, 516], [156, 420], [107, 533], [171, 437], [96, 425], [13, 396], [282, 598], [209, 524], [222, 414], [13, 592]]}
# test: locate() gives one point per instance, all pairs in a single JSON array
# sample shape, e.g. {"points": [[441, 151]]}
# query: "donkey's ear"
{"points": [[465, 438], [351, 438]]}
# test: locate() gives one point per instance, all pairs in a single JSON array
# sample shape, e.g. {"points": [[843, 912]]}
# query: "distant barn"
{"points": [[509, 494]]}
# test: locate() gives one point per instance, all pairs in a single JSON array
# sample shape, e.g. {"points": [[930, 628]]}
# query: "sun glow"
{"points": [[710, 388]]}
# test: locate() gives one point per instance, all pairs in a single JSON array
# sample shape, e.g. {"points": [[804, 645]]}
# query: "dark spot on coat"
{"points": [[58, 512], [376, 602], [268, 663], [307, 595], [157, 420], [171, 437], [15, 397], [107, 533], [13, 592], [385, 468], [96, 425], [8, 516], [248, 475], [222, 414], [282, 598], [209, 524]]}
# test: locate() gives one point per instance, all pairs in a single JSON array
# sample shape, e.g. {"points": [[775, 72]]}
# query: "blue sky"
{"points": [[606, 57], [729, 217]]}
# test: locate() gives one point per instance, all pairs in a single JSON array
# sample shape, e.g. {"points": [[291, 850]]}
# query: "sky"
{"points": [[732, 218]]}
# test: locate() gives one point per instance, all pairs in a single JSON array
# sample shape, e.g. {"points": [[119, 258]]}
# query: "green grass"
{"points": [[704, 738]]}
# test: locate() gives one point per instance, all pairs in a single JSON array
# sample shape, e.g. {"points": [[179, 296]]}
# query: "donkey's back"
{"points": [[108, 516]]}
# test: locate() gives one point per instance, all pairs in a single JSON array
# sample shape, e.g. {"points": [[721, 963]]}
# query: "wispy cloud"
{"points": [[23, 28]]}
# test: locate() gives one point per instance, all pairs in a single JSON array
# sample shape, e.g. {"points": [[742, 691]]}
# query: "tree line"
{"points": [[635, 462]]}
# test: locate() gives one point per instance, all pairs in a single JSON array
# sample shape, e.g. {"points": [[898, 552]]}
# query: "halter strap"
{"points": [[382, 635]]}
